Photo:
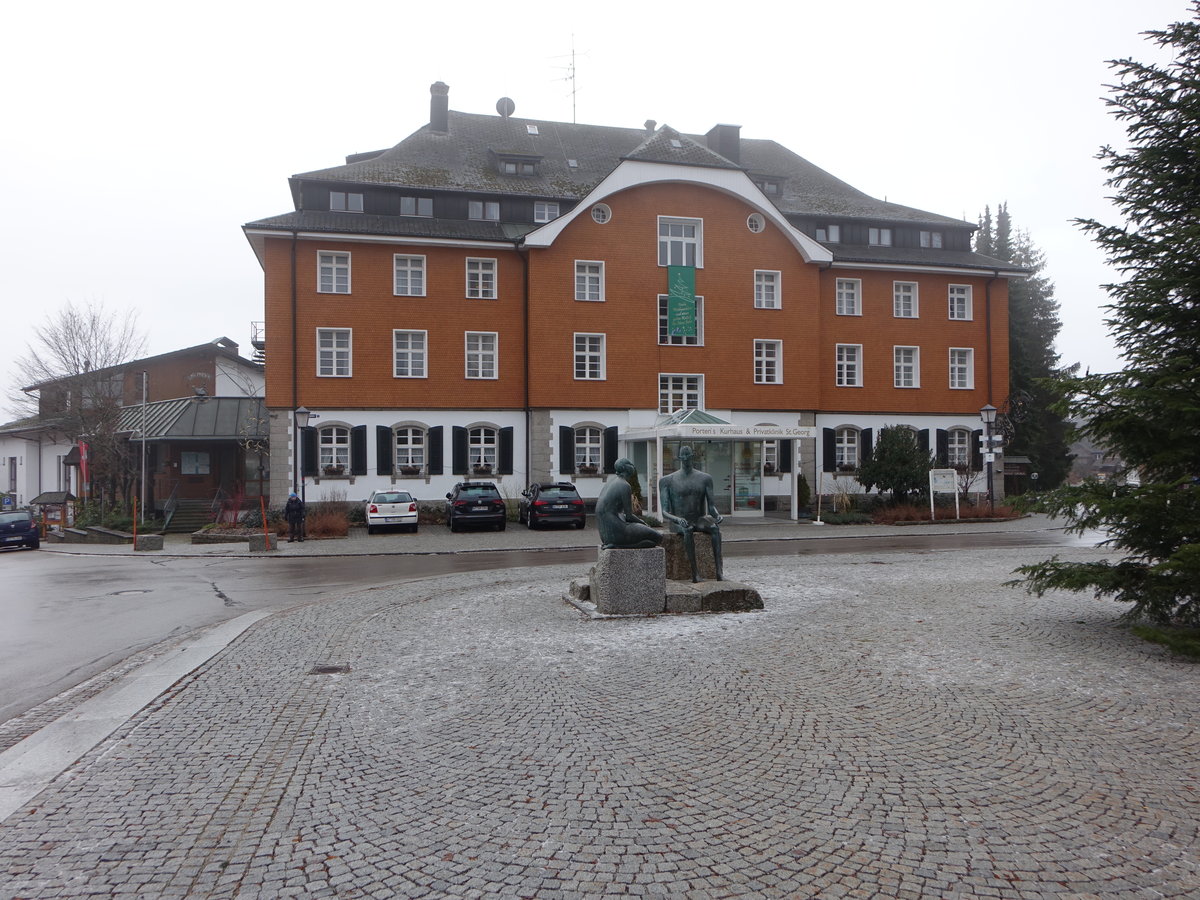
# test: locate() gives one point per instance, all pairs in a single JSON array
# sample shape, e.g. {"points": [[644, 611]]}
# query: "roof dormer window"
{"points": [[341, 201], [516, 164], [531, 129]]}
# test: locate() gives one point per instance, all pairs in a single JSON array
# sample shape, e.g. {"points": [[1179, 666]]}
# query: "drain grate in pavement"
{"points": [[329, 669]]}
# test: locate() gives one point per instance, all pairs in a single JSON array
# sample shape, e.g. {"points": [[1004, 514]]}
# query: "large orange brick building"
{"points": [[525, 300]]}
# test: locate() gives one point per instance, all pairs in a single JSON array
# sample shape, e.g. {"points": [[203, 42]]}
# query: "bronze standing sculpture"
{"points": [[619, 528], [687, 503]]}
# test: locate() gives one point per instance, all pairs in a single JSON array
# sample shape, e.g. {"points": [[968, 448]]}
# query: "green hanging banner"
{"points": [[681, 301]]}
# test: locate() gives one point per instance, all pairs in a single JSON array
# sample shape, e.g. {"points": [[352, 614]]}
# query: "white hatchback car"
{"points": [[386, 508]]}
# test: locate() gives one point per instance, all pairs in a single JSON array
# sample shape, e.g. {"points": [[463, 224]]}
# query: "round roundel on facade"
{"points": [[756, 223], [601, 213]]}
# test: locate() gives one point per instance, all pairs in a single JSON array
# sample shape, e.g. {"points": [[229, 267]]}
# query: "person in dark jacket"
{"points": [[293, 511]]}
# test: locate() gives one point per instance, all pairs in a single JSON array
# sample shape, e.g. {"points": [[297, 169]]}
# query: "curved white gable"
{"points": [[635, 173]]}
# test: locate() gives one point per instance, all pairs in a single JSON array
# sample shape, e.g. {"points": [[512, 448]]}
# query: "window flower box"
{"points": [[589, 470], [334, 470], [410, 471], [482, 470]]}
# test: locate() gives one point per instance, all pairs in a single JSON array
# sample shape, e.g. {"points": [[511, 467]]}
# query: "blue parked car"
{"points": [[17, 529]]}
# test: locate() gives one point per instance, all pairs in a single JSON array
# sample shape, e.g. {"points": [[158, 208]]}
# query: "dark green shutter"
{"points": [[610, 449], [828, 450], [943, 448], [783, 458], [383, 449], [977, 450], [358, 450], [566, 450], [866, 444], [923, 442], [433, 450], [504, 455], [458, 451], [308, 452]]}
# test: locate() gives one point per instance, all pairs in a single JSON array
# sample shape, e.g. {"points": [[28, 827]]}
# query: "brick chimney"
{"points": [[726, 140], [439, 107]]}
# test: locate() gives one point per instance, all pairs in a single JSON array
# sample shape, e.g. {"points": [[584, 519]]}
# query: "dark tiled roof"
{"points": [[406, 226], [463, 159], [918, 257]]}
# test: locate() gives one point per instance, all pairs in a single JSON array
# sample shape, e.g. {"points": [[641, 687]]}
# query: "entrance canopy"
{"points": [[696, 423]]}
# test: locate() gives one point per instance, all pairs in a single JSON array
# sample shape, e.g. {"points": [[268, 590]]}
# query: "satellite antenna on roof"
{"points": [[505, 106]]}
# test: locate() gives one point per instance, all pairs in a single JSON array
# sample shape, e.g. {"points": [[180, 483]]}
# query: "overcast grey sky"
{"points": [[141, 136]]}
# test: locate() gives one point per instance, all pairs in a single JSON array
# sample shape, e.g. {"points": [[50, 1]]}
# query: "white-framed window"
{"points": [[680, 242], [481, 279], [482, 351], [333, 352], [849, 365], [589, 446], [904, 299], [931, 239], [846, 446], [828, 234], [962, 368], [756, 223], [849, 296], [958, 447], [589, 280], [482, 444], [677, 392], [766, 289], [486, 210], [960, 301], [408, 276], [409, 354], [680, 340], [768, 362], [410, 446], [879, 237], [770, 456], [333, 442], [416, 206], [907, 365], [545, 210], [601, 213], [343, 201], [333, 272], [589, 357]]}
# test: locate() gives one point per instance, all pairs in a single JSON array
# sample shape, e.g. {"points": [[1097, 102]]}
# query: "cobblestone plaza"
{"points": [[891, 726]]}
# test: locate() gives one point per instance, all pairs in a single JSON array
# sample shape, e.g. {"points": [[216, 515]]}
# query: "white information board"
{"points": [[943, 481]]}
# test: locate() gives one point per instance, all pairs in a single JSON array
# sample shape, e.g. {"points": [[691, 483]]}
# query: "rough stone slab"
{"points": [[678, 567], [683, 597], [148, 542], [260, 543], [629, 582], [581, 591], [727, 596]]}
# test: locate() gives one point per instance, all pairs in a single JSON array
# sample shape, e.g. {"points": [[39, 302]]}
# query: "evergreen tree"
{"points": [[896, 463], [984, 237], [1003, 247], [1148, 413]]}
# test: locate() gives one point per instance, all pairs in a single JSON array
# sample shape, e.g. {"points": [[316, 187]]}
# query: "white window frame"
{"points": [[413, 450], [483, 443], [768, 361], [962, 372], [958, 447], [482, 354], [679, 340], [334, 354], [931, 240], [482, 278], [589, 446], [333, 272], [668, 243], [345, 201], [848, 292], [906, 367], [828, 234], [879, 237], [680, 385], [545, 210], [768, 293], [483, 210], [414, 356], [410, 266], [333, 446], [589, 280], [590, 352], [906, 302], [847, 445], [849, 371], [961, 301]]}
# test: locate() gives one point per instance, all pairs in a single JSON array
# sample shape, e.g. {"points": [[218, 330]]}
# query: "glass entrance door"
{"points": [[747, 478]]}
